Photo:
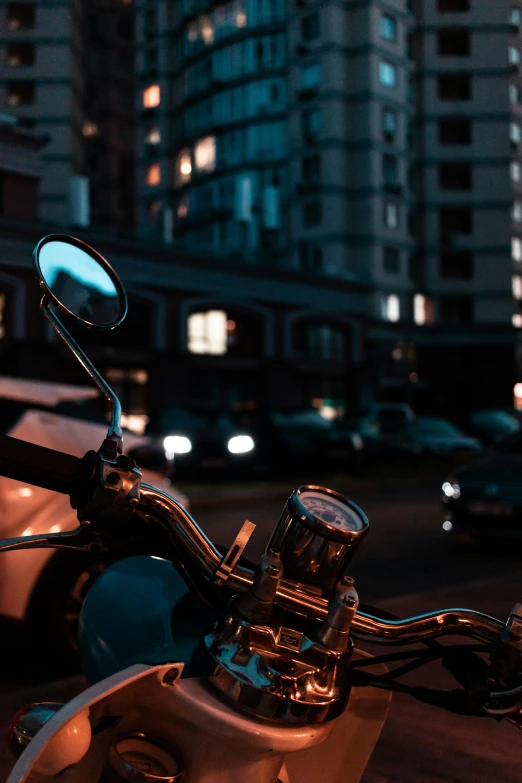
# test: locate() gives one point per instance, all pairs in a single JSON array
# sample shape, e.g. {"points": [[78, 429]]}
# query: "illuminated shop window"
{"points": [[153, 175], [205, 154], [151, 96], [207, 332]]}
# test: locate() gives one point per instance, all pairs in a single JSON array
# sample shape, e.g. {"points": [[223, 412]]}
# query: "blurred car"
{"points": [[440, 437], [493, 426], [484, 497], [378, 430], [43, 588], [248, 441]]}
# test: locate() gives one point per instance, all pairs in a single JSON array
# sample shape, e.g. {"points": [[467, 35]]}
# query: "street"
{"points": [[406, 565]]}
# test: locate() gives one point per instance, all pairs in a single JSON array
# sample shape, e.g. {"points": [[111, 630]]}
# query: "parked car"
{"points": [[42, 588], [378, 430], [484, 497], [493, 426], [440, 437]]}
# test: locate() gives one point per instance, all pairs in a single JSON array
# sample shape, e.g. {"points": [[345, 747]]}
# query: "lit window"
{"points": [[20, 93], [516, 171], [183, 167], [515, 132], [387, 74], [516, 284], [391, 214], [90, 129], [310, 76], [153, 175], [241, 19], [423, 310], [517, 321], [514, 94], [207, 332], [391, 308], [207, 30], [517, 211], [388, 27], [151, 96], [183, 208], [514, 16], [153, 136], [205, 154], [193, 31], [154, 209], [516, 249], [513, 55]]}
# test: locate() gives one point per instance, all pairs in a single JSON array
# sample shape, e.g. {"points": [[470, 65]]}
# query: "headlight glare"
{"points": [[176, 444], [240, 444]]}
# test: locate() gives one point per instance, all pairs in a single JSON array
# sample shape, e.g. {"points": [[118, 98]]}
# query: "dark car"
{"points": [[484, 497], [493, 426], [439, 437]]}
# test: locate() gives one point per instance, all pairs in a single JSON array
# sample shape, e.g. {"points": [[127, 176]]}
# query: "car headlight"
{"points": [[451, 489], [176, 444], [240, 444]]}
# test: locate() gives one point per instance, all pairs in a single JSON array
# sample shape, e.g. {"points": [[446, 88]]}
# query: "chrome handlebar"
{"points": [[200, 558]]}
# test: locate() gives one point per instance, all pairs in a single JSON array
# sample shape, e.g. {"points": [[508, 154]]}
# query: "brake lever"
{"points": [[81, 538]]}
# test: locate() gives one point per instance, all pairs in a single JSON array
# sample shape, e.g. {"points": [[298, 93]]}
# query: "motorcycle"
{"points": [[202, 666]]}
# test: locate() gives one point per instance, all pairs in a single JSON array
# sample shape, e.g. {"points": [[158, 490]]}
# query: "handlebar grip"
{"points": [[38, 465]]}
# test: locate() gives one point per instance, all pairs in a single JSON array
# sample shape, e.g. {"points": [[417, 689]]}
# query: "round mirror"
{"points": [[80, 281]]}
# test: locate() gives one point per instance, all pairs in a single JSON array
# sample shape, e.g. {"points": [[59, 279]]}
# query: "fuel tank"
{"points": [[140, 611]]}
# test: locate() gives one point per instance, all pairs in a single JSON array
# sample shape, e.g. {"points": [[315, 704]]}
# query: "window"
{"points": [[311, 168], [454, 86], [325, 343], [183, 207], [456, 311], [21, 93], [514, 16], [454, 130], [517, 321], [153, 175], [153, 136], [312, 123], [516, 285], [517, 211], [310, 76], [312, 213], [515, 171], [516, 249], [514, 94], [515, 133], [450, 6], [205, 154], [457, 266], [90, 129], [183, 172], [455, 176], [455, 220], [310, 257], [151, 96], [411, 46], [310, 29], [391, 308], [387, 74], [20, 16], [19, 55], [207, 332], [513, 55], [423, 310], [390, 169], [391, 260], [389, 124], [388, 27], [391, 214], [454, 42]]}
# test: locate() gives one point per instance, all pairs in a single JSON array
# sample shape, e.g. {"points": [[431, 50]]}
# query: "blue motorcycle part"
{"points": [[140, 611]]}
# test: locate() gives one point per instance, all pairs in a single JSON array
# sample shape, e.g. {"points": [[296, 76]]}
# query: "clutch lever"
{"points": [[81, 538]]}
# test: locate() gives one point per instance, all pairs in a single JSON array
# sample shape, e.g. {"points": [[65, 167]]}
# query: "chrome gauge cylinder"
{"points": [[317, 535]]}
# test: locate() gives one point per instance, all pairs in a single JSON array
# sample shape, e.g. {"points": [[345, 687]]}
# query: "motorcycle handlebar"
{"points": [[38, 465]]}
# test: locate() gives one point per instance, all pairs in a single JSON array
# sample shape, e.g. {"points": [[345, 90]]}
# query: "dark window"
{"points": [[455, 220], [320, 342], [18, 196], [455, 176], [19, 54], [456, 265], [454, 86], [391, 260], [310, 258], [312, 213], [454, 42], [455, 130], [20, 93], [453, 5], [456, 311], [310, 29], [20, 16], [411, 46], [389, 124], [390, 169], [274, 93], [125, 30], [312, 122], [311, 168]]}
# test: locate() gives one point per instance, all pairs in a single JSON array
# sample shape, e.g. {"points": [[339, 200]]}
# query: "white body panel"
{"points": [[32, 510], [214, 742]]}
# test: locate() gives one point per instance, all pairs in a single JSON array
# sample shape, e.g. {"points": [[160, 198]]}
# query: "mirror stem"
{"points": [[114, 433]]}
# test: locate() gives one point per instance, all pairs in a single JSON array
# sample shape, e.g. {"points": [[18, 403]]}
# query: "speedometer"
{"points": [[332, 511]]}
